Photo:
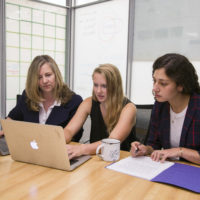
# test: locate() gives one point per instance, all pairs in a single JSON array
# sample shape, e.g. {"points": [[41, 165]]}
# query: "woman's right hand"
{"points": [[74, 150], [138, 149]]}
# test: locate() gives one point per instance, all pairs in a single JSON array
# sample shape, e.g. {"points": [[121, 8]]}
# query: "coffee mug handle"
{"points": [[98, 149]]}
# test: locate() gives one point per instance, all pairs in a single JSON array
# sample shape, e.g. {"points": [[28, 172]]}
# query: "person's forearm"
{"points": [[68, 136], [189, 154], [88, 149]]}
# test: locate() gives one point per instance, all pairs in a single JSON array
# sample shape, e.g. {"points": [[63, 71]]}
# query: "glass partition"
{"points": [[101, 32], [57, 2], [161, 27], [81, 2], [32, 29]]}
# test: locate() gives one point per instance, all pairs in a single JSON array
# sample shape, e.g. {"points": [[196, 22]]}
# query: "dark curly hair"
{"points": [[179, 69]]}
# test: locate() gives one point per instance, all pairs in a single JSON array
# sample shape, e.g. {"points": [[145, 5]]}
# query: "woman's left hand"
{"points": [[162, 155], [74, 150]]}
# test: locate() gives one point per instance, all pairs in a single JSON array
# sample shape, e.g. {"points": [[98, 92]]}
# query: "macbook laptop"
{"points": [[3, 147], [39, 144]]}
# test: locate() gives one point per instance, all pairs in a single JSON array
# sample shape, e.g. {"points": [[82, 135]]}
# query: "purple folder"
{"points": [[181, 175]]}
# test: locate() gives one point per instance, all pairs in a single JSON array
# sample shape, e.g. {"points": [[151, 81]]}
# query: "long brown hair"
{"points": [[61, 92], [115, 94]]}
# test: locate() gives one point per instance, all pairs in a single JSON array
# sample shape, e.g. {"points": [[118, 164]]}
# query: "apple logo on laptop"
{"points": [[34, 144]]}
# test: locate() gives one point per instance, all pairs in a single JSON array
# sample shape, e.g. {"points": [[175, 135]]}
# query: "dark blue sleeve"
{"points": [[61, 115], [17, 112], [74, 103]]}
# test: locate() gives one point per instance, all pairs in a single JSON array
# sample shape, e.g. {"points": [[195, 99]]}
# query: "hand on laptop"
{"points": [[74, 150]]}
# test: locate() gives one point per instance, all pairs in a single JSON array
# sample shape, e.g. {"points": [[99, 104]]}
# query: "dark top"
{"points": [[99, 130], [60, 115], [159, 135]]}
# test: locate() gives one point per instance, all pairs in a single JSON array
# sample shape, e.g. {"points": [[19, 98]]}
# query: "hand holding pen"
{"points": [[138, 149]]}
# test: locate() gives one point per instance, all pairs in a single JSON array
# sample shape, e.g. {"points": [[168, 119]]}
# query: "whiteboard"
{"points": [[101, 32]]}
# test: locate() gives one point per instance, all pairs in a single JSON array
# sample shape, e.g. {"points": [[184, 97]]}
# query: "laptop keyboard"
{"points": [[72, 161]]}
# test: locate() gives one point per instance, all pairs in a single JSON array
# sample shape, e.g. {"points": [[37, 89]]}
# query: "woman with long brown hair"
{"points": [[46, 99], [112, 114]]}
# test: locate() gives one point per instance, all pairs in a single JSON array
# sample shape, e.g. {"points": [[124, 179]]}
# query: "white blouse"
{"points": [[43, 115], [176, 125]]}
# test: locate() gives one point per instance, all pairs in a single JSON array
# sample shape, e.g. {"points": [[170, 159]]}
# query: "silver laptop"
{"points": [[39, 144]]}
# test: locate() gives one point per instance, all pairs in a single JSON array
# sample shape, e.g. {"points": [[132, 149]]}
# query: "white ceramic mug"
{"points": [[110, 149]]}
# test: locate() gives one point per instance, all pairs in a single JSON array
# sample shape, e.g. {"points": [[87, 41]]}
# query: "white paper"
{"points": [[142, 167]]}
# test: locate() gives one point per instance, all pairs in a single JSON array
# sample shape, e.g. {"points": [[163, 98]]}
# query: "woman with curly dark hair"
{"points": [[175, 120]]}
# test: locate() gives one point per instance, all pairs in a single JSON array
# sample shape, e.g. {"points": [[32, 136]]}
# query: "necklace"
{"points": [[174, 116]]}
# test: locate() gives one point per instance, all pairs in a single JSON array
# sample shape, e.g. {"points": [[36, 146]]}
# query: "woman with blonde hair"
{"points": [[46, 99], [112, 114]]}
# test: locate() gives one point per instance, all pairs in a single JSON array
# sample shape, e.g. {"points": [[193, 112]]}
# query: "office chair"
{"points": [[18, 97], [85, 139], [142, 121]]}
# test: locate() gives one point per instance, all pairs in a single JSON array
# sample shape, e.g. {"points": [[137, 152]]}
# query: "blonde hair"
{"points": [[115, 94], [33, 92]]}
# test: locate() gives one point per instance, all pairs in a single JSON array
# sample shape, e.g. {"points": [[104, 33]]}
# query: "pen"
{"points": [[137, 149]]}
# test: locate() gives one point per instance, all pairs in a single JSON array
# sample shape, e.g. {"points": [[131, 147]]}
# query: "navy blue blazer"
{"points": [[60, 115], [159, 134]]}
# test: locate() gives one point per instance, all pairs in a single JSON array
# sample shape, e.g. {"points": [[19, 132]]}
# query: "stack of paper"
{"points": [[181, 175]]}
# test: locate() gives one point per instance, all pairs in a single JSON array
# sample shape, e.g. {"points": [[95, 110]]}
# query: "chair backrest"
{"points": [[86, 133], [18, 97], [142, 121]]}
